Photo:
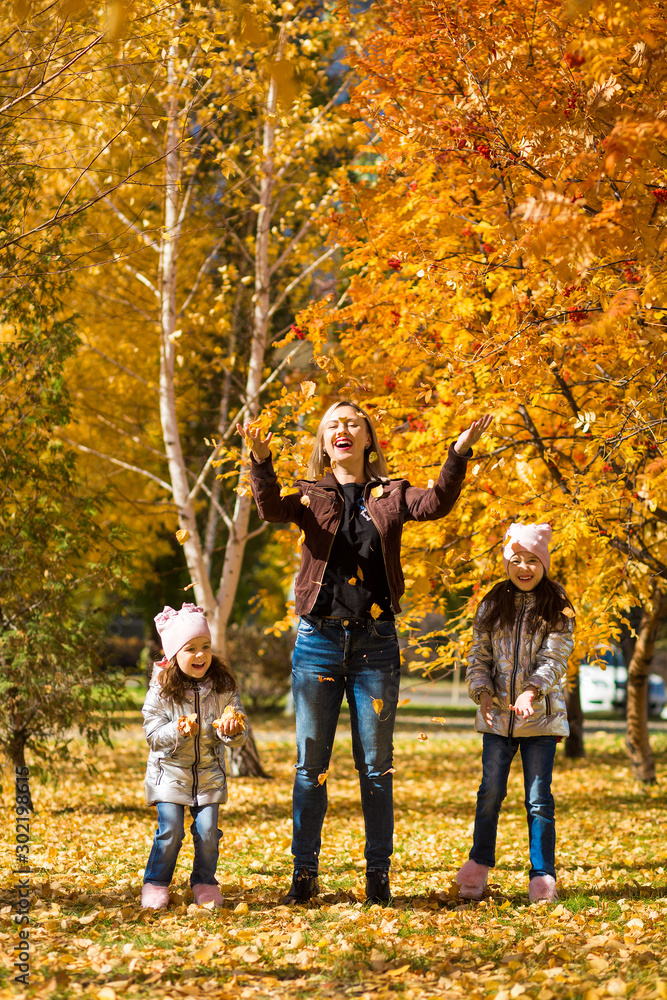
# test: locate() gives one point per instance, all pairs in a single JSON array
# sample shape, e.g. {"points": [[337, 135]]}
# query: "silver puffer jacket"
{"points": [[507, 661], [189, 770]]}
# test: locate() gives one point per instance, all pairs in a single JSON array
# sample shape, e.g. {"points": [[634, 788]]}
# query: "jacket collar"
{"points": [[329, 482]]}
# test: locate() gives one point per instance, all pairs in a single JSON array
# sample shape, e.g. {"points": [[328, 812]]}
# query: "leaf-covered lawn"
{"points": [[91, 837]]}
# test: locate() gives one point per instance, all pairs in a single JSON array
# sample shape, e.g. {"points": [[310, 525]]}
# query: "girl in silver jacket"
{"points": [[522, 640], [192, 710]]}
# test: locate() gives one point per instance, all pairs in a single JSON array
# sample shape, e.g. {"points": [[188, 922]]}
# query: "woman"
{"points": [[347, 592]]}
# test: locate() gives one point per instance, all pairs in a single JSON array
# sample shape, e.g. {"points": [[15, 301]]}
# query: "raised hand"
{"points": [[253, 436], [470, 437]]}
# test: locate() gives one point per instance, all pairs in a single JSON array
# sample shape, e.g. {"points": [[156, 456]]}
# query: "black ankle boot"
{"points": [[304, 886], [377, 888]]}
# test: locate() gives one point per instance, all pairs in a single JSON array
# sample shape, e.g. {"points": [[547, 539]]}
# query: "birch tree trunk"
{"points": [[246, 760], [168, 281], [637, 742]]}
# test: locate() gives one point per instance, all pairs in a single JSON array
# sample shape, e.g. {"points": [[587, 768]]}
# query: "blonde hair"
{"points": [[376, 469]]}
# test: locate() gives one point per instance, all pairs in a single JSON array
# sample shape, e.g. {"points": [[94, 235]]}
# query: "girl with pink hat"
{"points": [[522, 640], [192, 710]]}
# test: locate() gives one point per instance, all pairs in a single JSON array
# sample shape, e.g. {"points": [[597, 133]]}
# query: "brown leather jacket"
{"points": [[320, 518]]}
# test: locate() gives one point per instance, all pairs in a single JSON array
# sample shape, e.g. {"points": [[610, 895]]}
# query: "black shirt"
{"points": [[355, 578]]}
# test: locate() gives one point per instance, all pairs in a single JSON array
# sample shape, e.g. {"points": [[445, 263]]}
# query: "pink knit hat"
{"points": [[178, 627], [533, 538]]}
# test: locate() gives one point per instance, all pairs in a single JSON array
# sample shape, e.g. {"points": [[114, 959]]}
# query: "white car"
{"points": [[606, 690]]}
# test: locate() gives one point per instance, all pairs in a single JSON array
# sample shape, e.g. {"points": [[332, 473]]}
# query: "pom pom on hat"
{"points": [[178, 627], [533, 538]]}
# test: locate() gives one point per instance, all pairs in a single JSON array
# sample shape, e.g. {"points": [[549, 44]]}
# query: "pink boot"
{"points": [[471, 879], [542, 887], [205, 893], [155, 897]]}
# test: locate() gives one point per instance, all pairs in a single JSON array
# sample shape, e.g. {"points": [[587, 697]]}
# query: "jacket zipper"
{"points": [[326, 563], [196, 760], [547, 704], [384, 556], [515, 668]]}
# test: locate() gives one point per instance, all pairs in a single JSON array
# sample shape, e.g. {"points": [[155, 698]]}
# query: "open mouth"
{"points": [[343, 444]]}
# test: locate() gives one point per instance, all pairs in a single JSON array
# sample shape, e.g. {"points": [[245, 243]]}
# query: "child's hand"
{"points": [[485, 704], [524, 704], [187, 725], [230, 723], [230, 727], [472, 435], [254, 440]]}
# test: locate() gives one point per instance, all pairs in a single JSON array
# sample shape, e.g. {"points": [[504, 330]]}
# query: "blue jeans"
{"points": [[537, 757], [358, 657], [169, 837]]}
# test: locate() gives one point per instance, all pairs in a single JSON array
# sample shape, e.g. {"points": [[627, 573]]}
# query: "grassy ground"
{"points": [[90, 840]]}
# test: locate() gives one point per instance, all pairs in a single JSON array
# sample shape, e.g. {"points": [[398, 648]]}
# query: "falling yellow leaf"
{"points": [[289, 491], [431, 484], [305, 501], [321, 778], [422, 737], [352, 581], [439, 719], [377, 491], [182, 535], [190, 586], [390, 770], [376, 611], [308, 389], [321, 678], [360, 574], [403, 701], [568, 612], [378, 705]]}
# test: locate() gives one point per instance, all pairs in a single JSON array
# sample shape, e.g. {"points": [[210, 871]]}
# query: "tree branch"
{"points": [[117, 461]]}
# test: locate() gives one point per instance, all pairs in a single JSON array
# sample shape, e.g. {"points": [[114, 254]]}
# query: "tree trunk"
{"points": [[574, 743], [642, 764], [244, 761], [19, 764]]}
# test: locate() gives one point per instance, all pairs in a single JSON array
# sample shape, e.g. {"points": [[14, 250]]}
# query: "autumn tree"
{"points": [[55, 555], [505, 237], [212, 258]]}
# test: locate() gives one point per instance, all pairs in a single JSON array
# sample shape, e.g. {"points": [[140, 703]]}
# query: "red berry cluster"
{"points": [[298, 332], [390, 382], [660, 195], [576, 315], [483, 150], [572, 102], [632, 276], [415, 424], [573, 59], [394, 263], [395, 315]]}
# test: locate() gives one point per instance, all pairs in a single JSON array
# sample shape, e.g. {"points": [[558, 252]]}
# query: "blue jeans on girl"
{"points": [[537, 757], [357, 657], [169, 837]]}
